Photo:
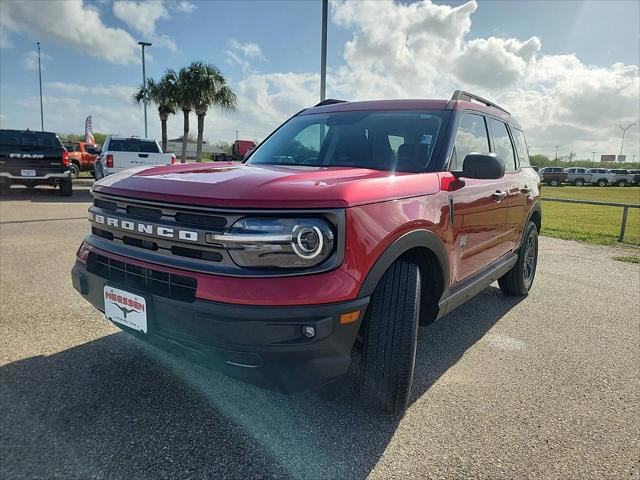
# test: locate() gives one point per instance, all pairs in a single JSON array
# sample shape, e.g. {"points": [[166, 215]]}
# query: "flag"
{"points": [[88, 131]]}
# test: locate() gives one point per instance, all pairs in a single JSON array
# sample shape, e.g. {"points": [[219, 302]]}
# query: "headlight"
{"points": [[281, 243]]}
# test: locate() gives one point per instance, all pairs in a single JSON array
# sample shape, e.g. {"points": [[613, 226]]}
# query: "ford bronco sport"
{"points": [[352, 224]]}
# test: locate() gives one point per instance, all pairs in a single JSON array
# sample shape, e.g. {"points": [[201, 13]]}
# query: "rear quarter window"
{"points": [[521, 147]]}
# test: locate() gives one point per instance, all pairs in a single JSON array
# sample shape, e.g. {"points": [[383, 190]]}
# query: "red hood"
{"points": [[266, 186]]}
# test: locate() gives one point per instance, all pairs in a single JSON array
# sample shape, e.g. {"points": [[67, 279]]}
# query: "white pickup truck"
{"points": [[120, 153]]}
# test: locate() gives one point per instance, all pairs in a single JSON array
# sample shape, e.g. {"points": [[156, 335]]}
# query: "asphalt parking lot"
{"points": [[545, 387]]}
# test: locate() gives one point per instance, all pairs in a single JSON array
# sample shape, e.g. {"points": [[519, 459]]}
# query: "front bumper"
{"points": [[261, 345]]}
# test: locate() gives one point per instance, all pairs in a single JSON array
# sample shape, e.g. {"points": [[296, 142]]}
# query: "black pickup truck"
{"points": [[33, 158]]}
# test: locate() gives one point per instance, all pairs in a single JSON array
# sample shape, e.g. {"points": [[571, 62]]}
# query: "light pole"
{"points": [[237, 134], [624, 130], [40, 81], [144, 86], [593, 157], [323, 53]]}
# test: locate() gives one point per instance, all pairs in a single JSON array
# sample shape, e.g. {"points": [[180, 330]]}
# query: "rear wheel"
{"points": [[519, 279], [578, 182], [98, 172], [66, 188], [390, 338], [554, 183], [621, 183], [602, 182]]}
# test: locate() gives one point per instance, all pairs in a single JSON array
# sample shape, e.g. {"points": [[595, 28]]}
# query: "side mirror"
{"points": [[482, 166]]}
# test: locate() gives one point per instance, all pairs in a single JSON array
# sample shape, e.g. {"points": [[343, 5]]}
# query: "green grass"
{"points": [[628, 259], [591, 223]]}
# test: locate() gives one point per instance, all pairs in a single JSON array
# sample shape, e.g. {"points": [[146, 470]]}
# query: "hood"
{"points": [[237, 185]]}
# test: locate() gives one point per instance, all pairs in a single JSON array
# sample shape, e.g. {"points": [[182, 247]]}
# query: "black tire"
{"points": [[75, 170], [578, 182], [519, 279], [621, 183], [602, 182], [66, 188], [390, 336], [5, 188], [98, 172], [554, 183]]}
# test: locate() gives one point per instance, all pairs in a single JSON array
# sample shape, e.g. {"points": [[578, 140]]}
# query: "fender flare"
{"points": [[415, 238]]}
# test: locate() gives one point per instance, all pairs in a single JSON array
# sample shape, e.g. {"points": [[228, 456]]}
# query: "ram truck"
{"points": [[32, 158], [553, 176], [352, 226], [121, 153]]}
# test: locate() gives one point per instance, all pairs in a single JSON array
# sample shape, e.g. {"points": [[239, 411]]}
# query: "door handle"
{"points": [[525, 189], [499, 195]]}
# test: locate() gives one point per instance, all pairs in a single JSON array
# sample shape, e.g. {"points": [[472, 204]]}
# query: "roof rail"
{"points": [[462, 95], [329, 101]]}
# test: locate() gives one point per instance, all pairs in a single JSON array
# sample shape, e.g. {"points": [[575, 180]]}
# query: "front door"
{"points": [[480, 207]]}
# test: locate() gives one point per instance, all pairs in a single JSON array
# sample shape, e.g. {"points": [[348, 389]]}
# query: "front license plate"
{"points": [[125, 308], [27, 173]]}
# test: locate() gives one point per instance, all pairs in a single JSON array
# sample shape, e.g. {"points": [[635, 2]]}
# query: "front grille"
{"points": [[177, 287], [174, 218]]}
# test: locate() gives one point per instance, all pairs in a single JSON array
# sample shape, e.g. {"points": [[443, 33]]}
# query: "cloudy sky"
{"points": [[568, 70]]}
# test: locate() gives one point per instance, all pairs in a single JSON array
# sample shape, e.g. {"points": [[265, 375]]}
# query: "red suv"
{"points": [[348, 227]]}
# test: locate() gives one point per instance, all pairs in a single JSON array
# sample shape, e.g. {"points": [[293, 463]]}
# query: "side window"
{"points": [[502, 144], [470, 137], [521, 147]]}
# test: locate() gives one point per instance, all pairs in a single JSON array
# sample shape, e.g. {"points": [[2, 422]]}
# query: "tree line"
{"points": [[195, 88], [566, 162]]}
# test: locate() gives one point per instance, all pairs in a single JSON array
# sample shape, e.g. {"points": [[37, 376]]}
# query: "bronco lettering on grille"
{"points": [[145, 228]]}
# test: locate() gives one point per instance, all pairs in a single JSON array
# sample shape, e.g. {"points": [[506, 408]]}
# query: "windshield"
{"points": [[382, 140]]}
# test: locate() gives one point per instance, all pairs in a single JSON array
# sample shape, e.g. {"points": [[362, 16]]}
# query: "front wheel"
{"points": [[621, 183], [390, 335], [554, 183], [519, 279], [602, 183], [75, 170], [579, 182]]}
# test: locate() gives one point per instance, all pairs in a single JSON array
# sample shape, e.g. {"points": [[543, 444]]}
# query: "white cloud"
{"points": [[30, 61], [244, 54], [142, 17], [121, 93], [71, 23], [182, 6], [422, 50]]}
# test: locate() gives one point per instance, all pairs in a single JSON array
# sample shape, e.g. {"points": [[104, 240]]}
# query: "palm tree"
{"points": [[163, 94], [185, 100], [209, 88]]}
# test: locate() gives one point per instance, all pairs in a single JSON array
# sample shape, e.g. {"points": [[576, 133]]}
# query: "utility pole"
{"points": [[593, 157], [323, 53], [556, 160], [144, 86], [237, 134], [624, 130], [40, 81]]}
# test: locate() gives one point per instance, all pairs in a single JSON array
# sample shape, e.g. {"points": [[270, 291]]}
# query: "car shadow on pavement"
{"points": [[46, 194], [118, 408]]}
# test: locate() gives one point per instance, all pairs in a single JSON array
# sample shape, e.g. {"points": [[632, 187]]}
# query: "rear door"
{"points": [[30, 154], [480, 207], [516, 183]]}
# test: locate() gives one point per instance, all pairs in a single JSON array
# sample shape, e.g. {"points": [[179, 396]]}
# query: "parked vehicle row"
{"points": [[578, 176]]}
